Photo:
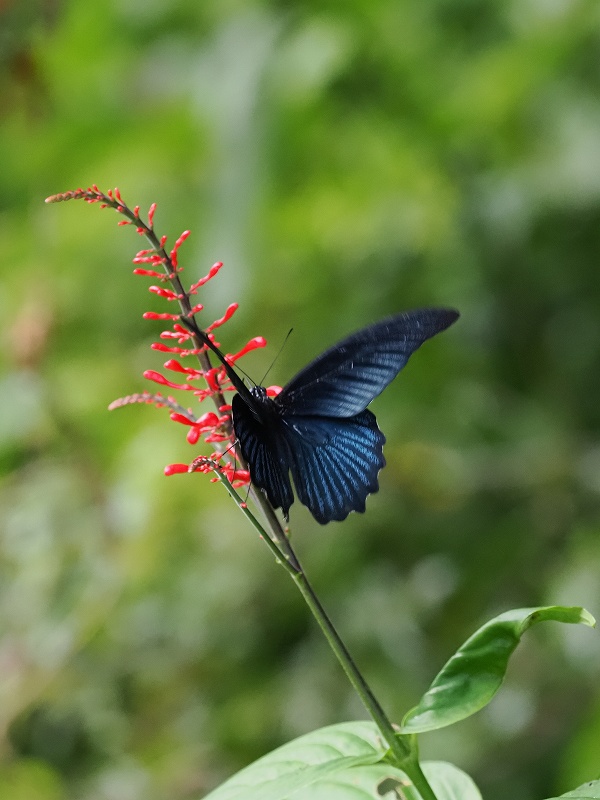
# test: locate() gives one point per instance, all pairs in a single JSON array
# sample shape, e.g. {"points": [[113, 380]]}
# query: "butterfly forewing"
{"points": [[334, 462], [344, 379]]}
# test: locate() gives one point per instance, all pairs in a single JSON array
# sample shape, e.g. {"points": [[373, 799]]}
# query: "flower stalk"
{"points": [[186, 340]]}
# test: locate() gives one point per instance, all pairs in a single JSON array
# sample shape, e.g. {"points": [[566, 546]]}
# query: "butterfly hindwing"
{"points": [[334, 462], [344, 379], [266, 454]]}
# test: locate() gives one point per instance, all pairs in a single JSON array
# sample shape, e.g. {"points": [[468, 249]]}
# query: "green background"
{"points": [[346, 160]]}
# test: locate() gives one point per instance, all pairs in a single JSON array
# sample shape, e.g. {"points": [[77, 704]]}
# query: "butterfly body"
{"points": [[318, 428]]}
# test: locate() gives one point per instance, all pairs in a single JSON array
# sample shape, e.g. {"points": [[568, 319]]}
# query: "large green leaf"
{"points": [[473, 675], [450, 783], [589, 791], [447, 782], [318, 758], [340, 762]]}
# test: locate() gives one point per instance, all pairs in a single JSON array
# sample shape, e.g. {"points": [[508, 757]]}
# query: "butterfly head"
{"points": [[259, 393], [260, 405]]}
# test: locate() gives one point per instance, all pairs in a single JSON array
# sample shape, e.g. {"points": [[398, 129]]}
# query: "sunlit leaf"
{"points": [[473, 675], [320, 758], [450, 783], [340, 762], [589, 791]]}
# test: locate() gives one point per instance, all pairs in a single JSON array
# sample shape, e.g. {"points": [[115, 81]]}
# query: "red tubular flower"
{"points": [[226, 316], [216, 428]]}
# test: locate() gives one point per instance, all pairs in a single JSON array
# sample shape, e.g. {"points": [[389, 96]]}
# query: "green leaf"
{"points": [[589, 791], [318, 759], [450, 783], [473, 675], [340, 762], [447, 782]]}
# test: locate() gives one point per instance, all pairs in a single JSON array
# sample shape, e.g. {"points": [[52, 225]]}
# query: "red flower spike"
{"points": [[148, 262], [213, 340], [178, 351], [149, 273], [193, 435], [253, 344], [211, 274], [175, 469], [216, 437], [179, 333], [212, 378], [152, 375], [143, 397], [202, 394], [173, 335], [206, 422], [166, 293], [147, 259], [177, 245], [175, 366], [181, 419], [203, 464], [231, 309], [155, 315], [237, 477]]}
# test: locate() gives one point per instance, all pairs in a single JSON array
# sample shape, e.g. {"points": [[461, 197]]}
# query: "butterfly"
{"points": [[318, 428]]}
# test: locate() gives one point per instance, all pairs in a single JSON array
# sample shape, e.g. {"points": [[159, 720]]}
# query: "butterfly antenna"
{"points": [[191, 325], [264, 377]]}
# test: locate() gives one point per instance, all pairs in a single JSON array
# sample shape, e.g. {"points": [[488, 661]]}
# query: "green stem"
{"points": [[415, 773], [397, 744], [403, 749]]}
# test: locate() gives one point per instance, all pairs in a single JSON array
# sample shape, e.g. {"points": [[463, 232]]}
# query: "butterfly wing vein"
{"points": [[346, 378], [334, 463]]}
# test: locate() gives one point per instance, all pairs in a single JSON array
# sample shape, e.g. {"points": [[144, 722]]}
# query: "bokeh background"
{"points": [[345, 161]]}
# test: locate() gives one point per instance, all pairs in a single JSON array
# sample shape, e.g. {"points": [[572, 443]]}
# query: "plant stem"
{"points": [[403, 749], [397, 745], [415, 773]]}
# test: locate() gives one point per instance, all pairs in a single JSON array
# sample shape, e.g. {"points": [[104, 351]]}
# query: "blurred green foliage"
{"points": [[345, 161]]}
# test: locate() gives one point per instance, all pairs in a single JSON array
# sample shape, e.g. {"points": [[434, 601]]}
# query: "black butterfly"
{"points": [[318, 427]]}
